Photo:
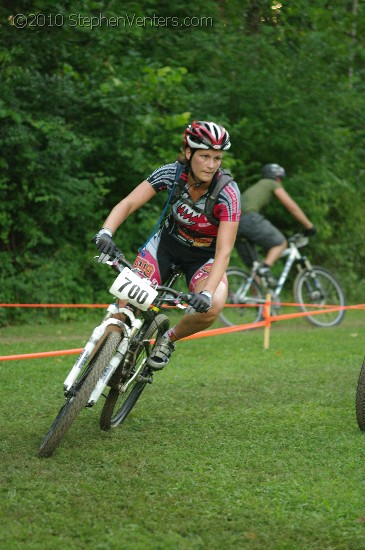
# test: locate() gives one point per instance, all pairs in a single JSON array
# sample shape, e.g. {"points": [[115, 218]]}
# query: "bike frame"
{"points": [[311, 283], [129, 331], [293, 255]]}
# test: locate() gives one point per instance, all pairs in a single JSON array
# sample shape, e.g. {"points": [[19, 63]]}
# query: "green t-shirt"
{"points": [[256, 197]]}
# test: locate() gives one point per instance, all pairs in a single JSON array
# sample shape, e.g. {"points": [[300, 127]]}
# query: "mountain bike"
{"points": [[117, 351], [360, 398], [313, 286]]}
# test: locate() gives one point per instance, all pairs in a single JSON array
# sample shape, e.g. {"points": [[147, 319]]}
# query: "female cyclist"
{"points": [[201, 247]]}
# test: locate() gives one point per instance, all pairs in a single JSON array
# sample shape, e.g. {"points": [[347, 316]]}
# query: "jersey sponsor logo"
{"points": [[144, 266], [194, 241]]}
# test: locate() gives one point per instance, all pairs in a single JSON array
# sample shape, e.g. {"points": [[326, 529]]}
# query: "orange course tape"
{"points": [[40, 354], [293, 304], [203, 334], [54, 305]]}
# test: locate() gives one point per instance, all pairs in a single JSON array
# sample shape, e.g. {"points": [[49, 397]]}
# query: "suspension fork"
{"points": [[312, 278], [128, 335], [94, 339]]}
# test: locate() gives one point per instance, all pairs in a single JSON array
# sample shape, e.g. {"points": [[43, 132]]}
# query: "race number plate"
{"points": [[129, 286]]}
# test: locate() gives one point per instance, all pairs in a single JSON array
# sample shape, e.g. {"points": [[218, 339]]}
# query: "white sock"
{"points": [[171, 335]]}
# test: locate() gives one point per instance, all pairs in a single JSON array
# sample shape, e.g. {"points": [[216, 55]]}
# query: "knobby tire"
{"points": [[249, 312], [83, 388], [360, 399], [306, 292], [126, 401]]}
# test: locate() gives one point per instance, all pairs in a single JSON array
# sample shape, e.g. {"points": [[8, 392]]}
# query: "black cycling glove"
{"points": [[310, 232], [200, 302], [105, 244]]}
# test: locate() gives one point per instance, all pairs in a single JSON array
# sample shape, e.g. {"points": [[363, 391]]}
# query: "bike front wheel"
{"points": [[360, 399], [317, 286], [244, 300], [79, 394], [125, 395]]}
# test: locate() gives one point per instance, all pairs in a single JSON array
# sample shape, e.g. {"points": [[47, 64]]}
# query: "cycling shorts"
{"points": [[162, 251], [258, 230]]}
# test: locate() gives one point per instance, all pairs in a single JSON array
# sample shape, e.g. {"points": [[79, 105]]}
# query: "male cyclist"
{"points": [[256, 229]]}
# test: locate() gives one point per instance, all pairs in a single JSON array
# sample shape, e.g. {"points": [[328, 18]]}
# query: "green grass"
{"points": [[231, 447]]}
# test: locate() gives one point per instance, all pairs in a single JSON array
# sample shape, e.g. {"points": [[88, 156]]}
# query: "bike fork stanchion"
{"points": [[98, 332], [267, 319]]}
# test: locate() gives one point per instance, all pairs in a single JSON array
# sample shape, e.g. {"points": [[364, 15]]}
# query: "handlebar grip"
{"points": [[119, 257], [118, 254]]}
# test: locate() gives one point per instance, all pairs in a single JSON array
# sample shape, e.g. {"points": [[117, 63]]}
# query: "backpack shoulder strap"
{"points": [[170, 199], [179, 184], [224, 179]]}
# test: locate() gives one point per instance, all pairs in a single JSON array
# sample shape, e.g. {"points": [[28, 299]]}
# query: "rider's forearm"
{"points": [[118, 215], [225, 241], [293, 207], [299, 215]]}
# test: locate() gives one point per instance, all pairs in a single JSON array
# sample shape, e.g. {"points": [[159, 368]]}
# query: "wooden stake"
{"points": [[267, 319]]}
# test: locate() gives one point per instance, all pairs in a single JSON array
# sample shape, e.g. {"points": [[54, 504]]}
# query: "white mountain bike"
{"points": [[116, 353], [313, 285]]}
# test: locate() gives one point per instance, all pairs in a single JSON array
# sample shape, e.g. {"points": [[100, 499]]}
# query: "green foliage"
{"points": [[88, 111]]}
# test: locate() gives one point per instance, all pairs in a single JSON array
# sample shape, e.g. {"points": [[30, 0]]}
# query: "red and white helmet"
{"points": [[206, 135]]}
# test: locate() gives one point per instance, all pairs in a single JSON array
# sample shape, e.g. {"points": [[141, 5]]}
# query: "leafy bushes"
{"points": [[86, 114]]}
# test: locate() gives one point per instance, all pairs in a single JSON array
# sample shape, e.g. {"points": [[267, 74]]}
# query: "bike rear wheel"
{"points": [[360, 399], [318, 286], [79, 394], [124, 396], [242, 300]]}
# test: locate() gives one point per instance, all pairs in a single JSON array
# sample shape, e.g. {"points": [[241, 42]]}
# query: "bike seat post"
{"points": [[176, 272], [175, 269]]}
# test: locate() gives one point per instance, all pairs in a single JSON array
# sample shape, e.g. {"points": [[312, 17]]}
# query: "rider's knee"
{"points": [[209, 317], [215, 310]]}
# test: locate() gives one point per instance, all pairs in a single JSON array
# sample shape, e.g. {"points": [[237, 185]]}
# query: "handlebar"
{"points": [[175, 297], [299, 240], [166, 294], [120, 261]]}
